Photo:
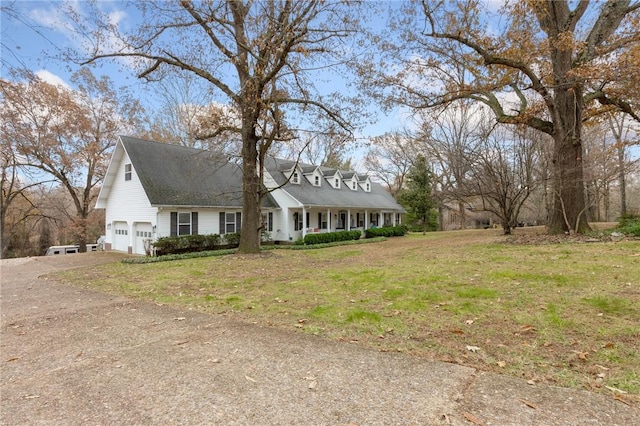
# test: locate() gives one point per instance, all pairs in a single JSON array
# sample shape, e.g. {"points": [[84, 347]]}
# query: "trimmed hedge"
{"points": [[194, 243], [195, 255], [386, 231], [330, 237]]}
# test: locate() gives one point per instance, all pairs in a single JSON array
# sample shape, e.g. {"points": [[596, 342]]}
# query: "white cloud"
{"points": [[117, 16], [51, 78]]}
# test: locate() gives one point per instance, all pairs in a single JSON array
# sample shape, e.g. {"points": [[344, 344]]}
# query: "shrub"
{"points": [[386, 231], [629, 225], [233, 240], [186, 244], [330, 237]]}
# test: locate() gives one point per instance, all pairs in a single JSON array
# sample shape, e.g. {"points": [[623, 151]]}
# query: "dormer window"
{"points": [[336, 183], [316, 180], [295, 178], [368, 187], [127, 171], [353, 186]]}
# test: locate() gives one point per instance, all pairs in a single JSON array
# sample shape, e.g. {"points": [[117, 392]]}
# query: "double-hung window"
{"points": [[184, 223], [127, 172], [230, 222]]}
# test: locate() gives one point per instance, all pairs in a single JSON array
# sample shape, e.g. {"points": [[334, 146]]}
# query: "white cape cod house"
{"points": [[154, 190]]}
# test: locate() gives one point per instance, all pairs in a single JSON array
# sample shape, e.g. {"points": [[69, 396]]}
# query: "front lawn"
{"points": [[560, 313]]}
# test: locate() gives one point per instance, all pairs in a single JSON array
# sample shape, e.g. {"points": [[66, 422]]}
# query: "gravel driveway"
{"points": [[75, 356]]}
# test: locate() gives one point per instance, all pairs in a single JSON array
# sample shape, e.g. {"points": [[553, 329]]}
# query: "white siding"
{"points": [[126, 202]]}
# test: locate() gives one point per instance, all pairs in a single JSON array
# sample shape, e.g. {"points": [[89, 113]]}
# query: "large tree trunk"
{"points": [[250, 233], [622, 180], [569, 208]]}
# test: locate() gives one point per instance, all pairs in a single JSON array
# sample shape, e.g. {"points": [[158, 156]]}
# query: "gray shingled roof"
{"points": [[175, 175], [327, 196]]}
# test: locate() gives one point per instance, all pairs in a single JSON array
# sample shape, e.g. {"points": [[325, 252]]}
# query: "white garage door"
{"points": [[142, 232], [121, 236]]}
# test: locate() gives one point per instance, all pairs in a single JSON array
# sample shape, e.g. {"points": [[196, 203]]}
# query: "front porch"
{"points": [[315, 220]]}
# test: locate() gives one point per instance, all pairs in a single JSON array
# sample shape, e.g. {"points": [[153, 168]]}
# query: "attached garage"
{"points": [[120, 236]]}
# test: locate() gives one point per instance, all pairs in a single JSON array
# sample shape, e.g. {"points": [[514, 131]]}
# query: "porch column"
{"points": [[305, 225], [328, 220], [366, 219], [348, 224]]}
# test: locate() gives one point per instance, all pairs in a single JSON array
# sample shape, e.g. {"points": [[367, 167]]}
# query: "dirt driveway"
{"points": [[76, 356]]}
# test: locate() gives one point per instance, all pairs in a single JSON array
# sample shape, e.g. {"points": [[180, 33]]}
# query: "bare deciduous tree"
{"points": [[262, 57], [66, 134]]}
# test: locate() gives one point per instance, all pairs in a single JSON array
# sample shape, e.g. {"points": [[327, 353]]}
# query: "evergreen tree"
{"points": [[416, 196]]}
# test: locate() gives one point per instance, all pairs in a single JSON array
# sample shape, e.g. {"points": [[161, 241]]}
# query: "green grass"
{"points": [[558, 313]]}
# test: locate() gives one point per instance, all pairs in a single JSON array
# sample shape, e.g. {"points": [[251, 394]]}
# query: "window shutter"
{"points": [[222, 223], [319, 220], [174, 224], [270, 220], [238, 222], [194, 223], [307, 221]]}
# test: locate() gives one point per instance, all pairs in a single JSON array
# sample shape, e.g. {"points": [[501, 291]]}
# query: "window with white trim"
{"points": [[230, 223], [295, 178], [127, 171], [184, 223]]}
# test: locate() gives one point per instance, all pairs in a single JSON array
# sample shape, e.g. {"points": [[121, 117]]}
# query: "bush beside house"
{"points": [[194, 243], [386, 231], [330, 237]]}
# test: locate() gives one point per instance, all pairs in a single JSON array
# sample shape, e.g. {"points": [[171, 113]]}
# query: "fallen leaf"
{"points": [[457, 331], [15, 358], [312, 385], [473, 419], [473, 349], [251, 379], [609, 345], [528, 404], [531, 382], [620, 398], [214, 360], [180, 319], [468, 322], [501, 364], [528, 327], [602, 368], [302, 321], [581, 355]]}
